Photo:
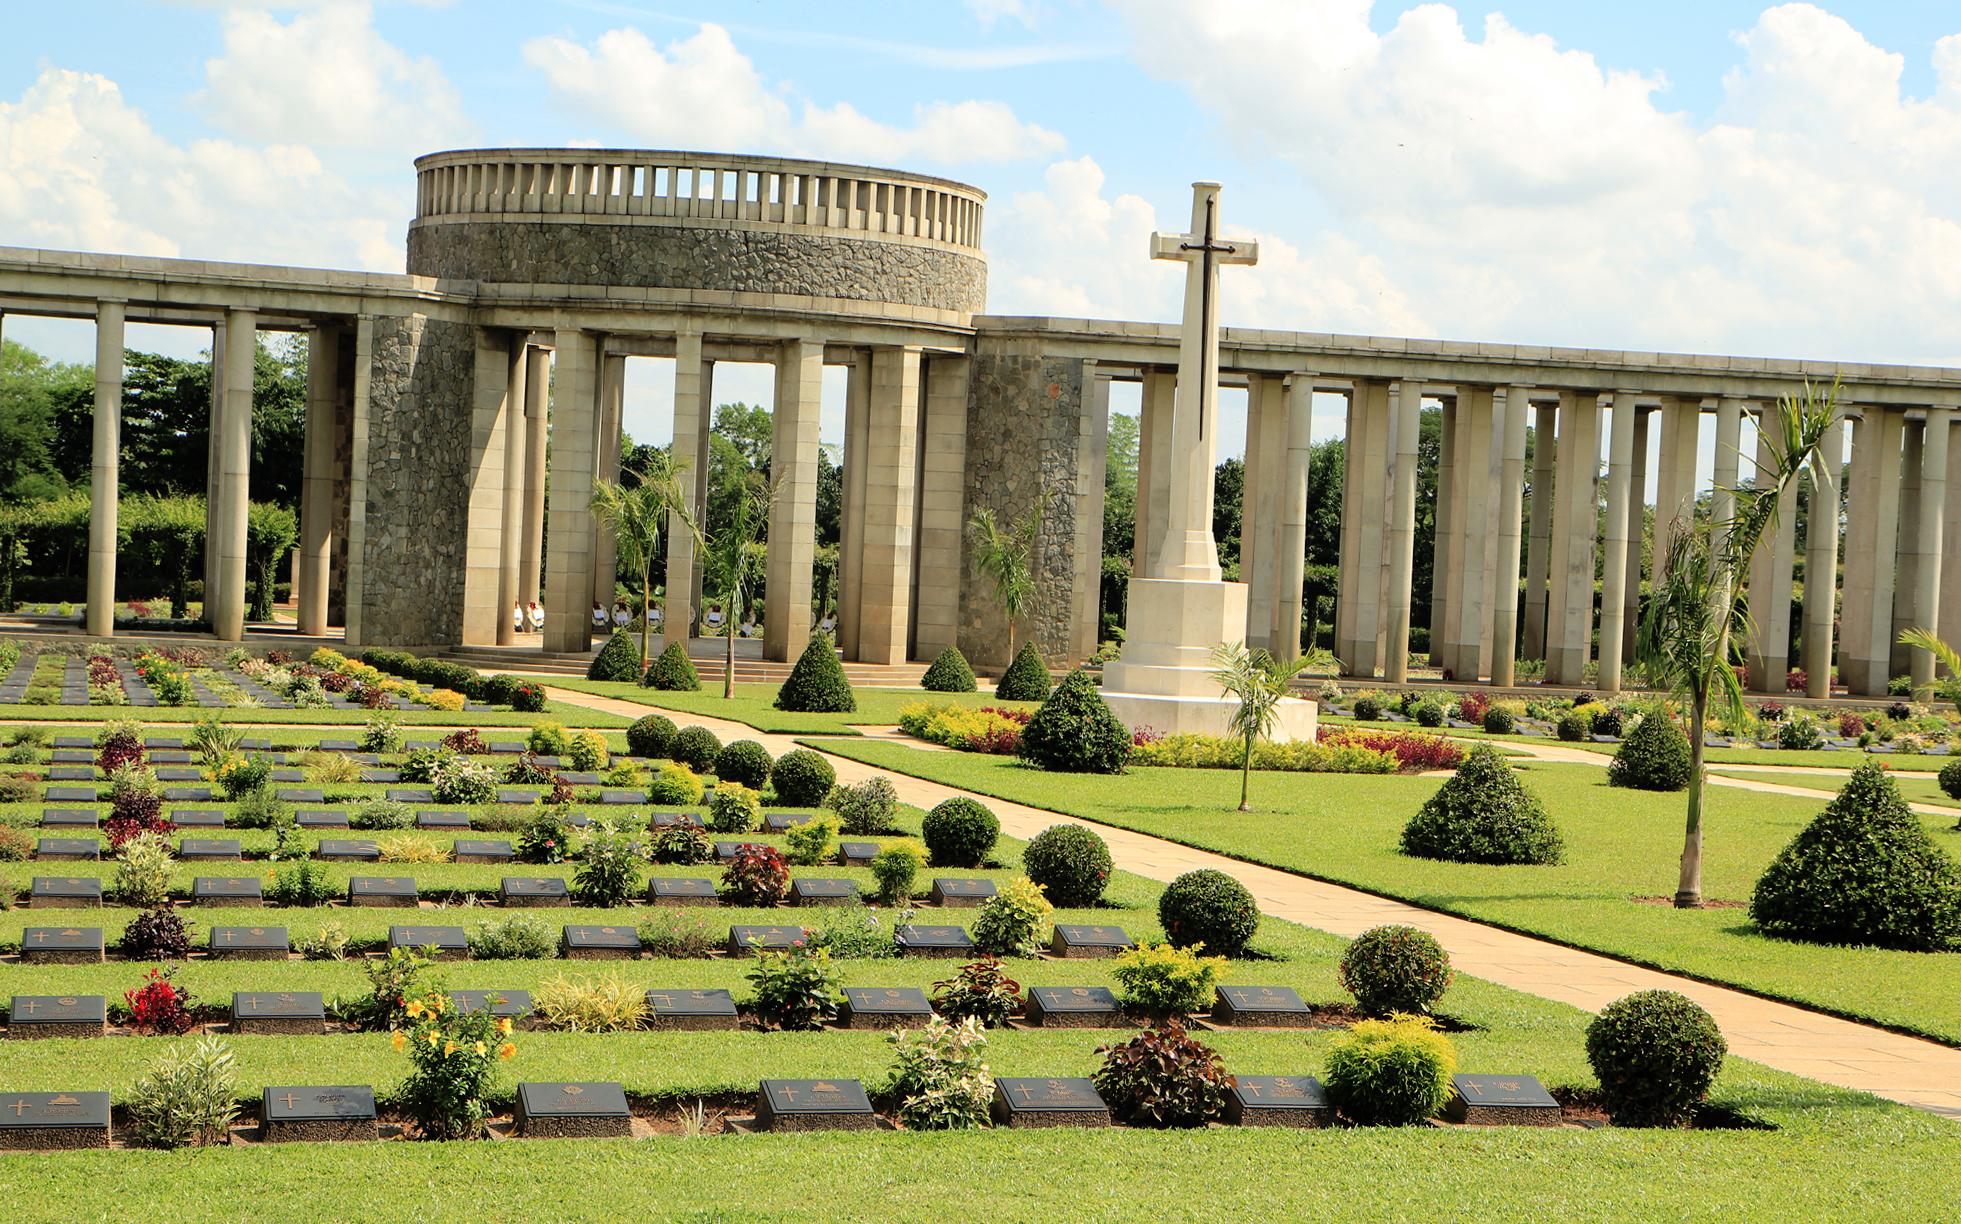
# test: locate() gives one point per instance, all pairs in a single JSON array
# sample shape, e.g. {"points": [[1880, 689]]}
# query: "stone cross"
{"points": [[1189, 553]]}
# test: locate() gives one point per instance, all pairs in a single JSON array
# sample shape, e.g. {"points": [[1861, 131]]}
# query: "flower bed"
{"points": [[1300, 756], [1411, 750]]}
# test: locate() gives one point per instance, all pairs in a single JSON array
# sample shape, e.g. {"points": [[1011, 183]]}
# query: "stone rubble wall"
{"points": [[675, 257]]}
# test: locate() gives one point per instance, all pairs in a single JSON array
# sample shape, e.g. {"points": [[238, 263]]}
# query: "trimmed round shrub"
{"points": [[695, 747], [949, 674], [158, 934], [802, 778], [1654, 756], [1799, 735], [1483, 814], [1390, 1072], [1070, 862], [1430, 714], [651, 736], [1950, 779], [675, 784], [528, 699], [672, 672], [1610, 721], [1866, 871], [1575, 727], [1656, 1054], [733, 808], [1392, 969], [1211, 908], [817, 684], [960, 832], [1367, 709], [744, 761], [618, 659], [498, 690], [1027, 677], [1074, 731], [1500, 721]]}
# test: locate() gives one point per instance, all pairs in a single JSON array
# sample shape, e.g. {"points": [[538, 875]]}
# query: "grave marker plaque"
{"points": [[442, 820], [71, 817], [413, 795], [72, 756], [691, 1011], [1259, 1007], [342, 851], [1028, 1102], [783, 822], [383, 892], [600, 943], [187, 794], [38, 1017], [321, 820], [288, 1013], [209, 850], [381, 775], [627, 798], [339, 745], [726, 850], [1501, 1100], [74, 741], [163, 741], [745, 939], [227, 891], [515, 1004], [857, 854], [180, 774], [451, 943], [468, 851], [1072, 1007], [572, 1111], [61, 946], [884, 1007], [533, 891], [64, 892], [71, 773], [807, 891], [663, 820], [681, 892], [1088, 942], [67, 849], [300, 794], [172, 757], [249, 943], [71, 794], [517, 796], [814, 1105], [941, 941], [1277, 1100], [54, 1121], [341, 1114], [197, 818]]}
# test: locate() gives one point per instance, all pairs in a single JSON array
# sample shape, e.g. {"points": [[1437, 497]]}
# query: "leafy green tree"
{"points": [[1257, 681], [30, 388], [638, 511], [729, 555], [1228, 491], [270, 533], [1004, 556]]}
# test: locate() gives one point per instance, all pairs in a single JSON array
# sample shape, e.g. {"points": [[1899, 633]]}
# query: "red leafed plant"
{"points": [[467, 742], [133, 813], [160, 1006], [1851, 726], [756, 876], [1412, 750], [120, 748], [1471, 707]]}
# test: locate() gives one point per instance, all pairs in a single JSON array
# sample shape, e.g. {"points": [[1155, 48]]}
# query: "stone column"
{"points": [[1906, 552], [891, 466], [942, 505], [1681, 423], [570, 563], [1569, 633], [1821, 567], [851, 517], [1545, 450], [359, 408], [703, 442], [1763, 655], [1929, 565], [1637, 524], [317, 491], [1872, 524], [793, 519], [485, 617], [213, 529], [1470, 516], [105, 467], [691, 474], [1443, 537], [1613, 590], [612, 402], [1290, 561], [1374, 422], [1511, 507], [510, 518], [1402, 529], [1259, 511], [537, 454], [1153, 468], [235, 473], [1092, 464], [1349, 581], [1950, 619]]}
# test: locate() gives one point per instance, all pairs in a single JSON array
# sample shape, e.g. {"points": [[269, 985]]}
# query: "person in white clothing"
{"points": [[537, 615], [657, 616], [598, 616], [621, 617], [517, 616]]}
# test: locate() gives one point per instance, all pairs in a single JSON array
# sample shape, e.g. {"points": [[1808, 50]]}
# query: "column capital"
{"points": [[111, 301]]}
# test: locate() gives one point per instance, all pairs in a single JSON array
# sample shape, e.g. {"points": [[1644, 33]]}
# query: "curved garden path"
{"points": [[1914, 1072]]}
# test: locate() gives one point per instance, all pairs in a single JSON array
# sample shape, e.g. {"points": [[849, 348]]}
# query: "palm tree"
{"points": [[1259, 681], [1697, 618], [636, 514], [727, 557], [1943, 688], [1003, 557]]}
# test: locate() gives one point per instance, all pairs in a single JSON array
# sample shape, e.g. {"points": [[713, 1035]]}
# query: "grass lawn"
{"points": [[570, 715], [1916, 790], [1621, 844], [754, 704], [1843, 759]]}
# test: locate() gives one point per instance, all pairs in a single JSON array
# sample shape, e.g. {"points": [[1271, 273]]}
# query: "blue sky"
{"points": [[1689, 177]]}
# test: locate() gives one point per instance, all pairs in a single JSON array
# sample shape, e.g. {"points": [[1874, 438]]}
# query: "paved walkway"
{"points": [[1904, 1069]]}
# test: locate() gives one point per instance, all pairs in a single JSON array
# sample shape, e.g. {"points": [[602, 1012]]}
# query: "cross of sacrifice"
{"points": [[1203, 252]]}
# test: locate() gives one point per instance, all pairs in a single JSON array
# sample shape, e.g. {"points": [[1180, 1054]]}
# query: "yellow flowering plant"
{"points": [[453, 1056]]}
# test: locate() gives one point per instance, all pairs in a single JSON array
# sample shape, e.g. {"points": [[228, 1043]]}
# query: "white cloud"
{"points": [[1514, 190], [987, 12], [85, 171], [704, 93], [327, 78]]}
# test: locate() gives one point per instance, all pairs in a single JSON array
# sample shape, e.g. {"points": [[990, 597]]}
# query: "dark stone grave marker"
{"points": [[321, 820], [61, 946], [515, 1004], [533, 891], [342, 1114], [301, 794], [339, 745], [54, 1121], [600, 943], [71, 773], [808, 891], [1027, 1102], [70, 794], [343, 851], [67, 849], [1072, 1007], [383, 892], [249, 943], [197, 818], [172, 758], [209, 850], [857, 854], [64, 892], [942, 941], [381, 775], [1259, 1007], [726, 850], [289, 1013], [484, 851], [619, 797], [163, 741], [744, 939], [70, 816], [180, 775], [413, 795], [681, 892], [1501, 1100], [691, 1011], [581, 779], [442, 820], [1277, 1100], [451, 943], [572, 1111], [814, 1105], [187, 794], [512, 747], [1088, 942], [37, 1017], [663, 820], [72, 756], [227, 891], [521, 797], [884, 1007], [781, 822]]}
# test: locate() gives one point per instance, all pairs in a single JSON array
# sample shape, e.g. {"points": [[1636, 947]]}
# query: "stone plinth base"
{"points": [[1206, 716], [321, 1130]]}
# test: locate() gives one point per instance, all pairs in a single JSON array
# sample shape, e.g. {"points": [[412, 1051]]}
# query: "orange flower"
{"points": [[397, 1039], [506, 1050], [504, 1026], [449, 1047]]}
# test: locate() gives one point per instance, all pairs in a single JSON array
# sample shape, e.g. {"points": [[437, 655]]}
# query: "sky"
{"points": [[1688, 177]]}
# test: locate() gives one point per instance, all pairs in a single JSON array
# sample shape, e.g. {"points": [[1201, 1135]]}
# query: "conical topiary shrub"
{"points": [[1654, 756], [817, 684], [949, 674], [1074, 731], [618, 659], [1483, 814], [1864, 872], [1027, 678], [673, 671]]}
